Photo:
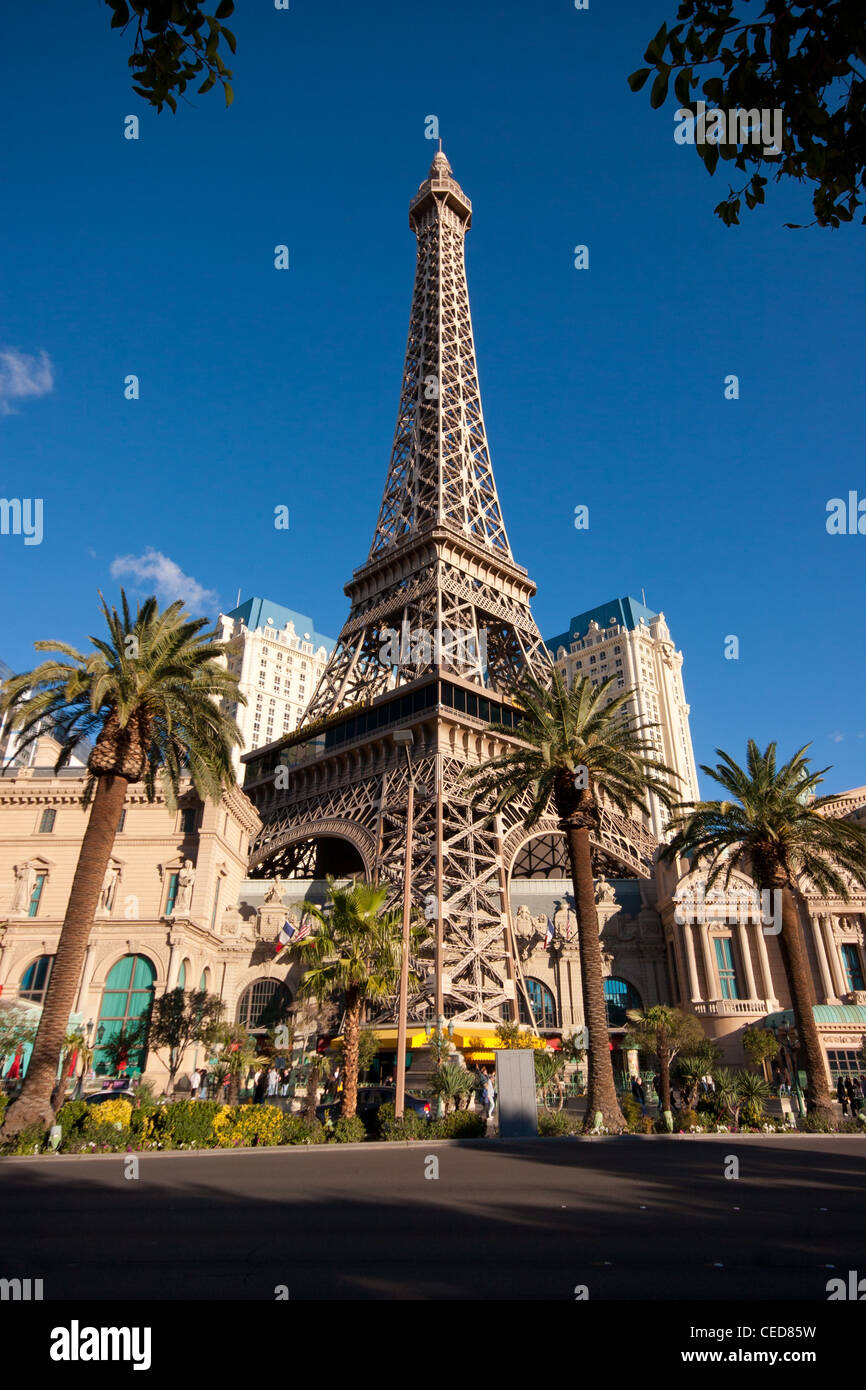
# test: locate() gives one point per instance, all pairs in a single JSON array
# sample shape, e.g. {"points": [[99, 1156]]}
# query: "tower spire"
{"points": [[439, 562]]}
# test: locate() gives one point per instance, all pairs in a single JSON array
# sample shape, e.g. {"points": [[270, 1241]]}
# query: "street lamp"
{"points": [[403, 739]]}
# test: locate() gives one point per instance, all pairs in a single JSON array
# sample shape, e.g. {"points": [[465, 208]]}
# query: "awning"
{"points": [[849, 1015]]}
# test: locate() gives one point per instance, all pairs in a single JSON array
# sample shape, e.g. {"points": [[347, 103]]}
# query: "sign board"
{"points": [[517, 1105]]}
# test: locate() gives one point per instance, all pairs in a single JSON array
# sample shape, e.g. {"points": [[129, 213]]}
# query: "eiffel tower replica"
{"points": [[438, 639]]}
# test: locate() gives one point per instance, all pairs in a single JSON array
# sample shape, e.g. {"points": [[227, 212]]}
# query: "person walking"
{"points": [[856, 1097], [203, 1080], [193, 1083], [273, 1081], [849, 1091], [842, 1095], [261, 1081], [488, 1095]]}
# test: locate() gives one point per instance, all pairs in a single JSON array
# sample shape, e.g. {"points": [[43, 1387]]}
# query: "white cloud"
{"points": [[166, 578], [22, 375], [837, 737]]}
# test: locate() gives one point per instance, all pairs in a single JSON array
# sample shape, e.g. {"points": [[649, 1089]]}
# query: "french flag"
{"points": [[290, 934], [549, 934]]}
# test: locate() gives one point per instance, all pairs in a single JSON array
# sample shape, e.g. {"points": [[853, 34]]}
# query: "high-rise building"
{"points": [[627, 640], [278, 659]]}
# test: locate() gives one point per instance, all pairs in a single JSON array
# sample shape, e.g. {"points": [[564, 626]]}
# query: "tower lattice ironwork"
{"points": [[438, 639]]}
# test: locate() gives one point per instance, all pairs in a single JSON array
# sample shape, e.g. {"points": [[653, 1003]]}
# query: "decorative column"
{"points": [[823, 964], [714, 989], [174, 940], [834, 958], [694, 986], [746, 953], [764, 958]]}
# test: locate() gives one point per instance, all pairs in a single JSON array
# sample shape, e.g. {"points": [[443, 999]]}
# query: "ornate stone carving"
{"points": [[185, 883], [21, 891], [604, 892], [108, 891]]}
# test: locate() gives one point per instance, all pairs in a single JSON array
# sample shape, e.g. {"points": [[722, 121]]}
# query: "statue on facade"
{"points": [[604, 892], [560, 922], [185, 881], [108, 890], [21, 891], [274, 893], [523, 923]]}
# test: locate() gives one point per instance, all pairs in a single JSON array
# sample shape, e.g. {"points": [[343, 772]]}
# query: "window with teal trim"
{"points": [[125, 1010], [36, 894], [853, 967], [34, 981], [543, 1005], [619, 997], [725, 962], [171, 896]]}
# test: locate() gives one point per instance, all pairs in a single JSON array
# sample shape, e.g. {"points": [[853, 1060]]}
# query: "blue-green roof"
{"points": [[625, 611], [854, 1015], [255, 613]]}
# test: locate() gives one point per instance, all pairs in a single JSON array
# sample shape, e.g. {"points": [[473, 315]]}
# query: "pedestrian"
{"points": [[273, 1080], [193, 1083], [260, 1081], [203, 1084], [637, 1090], [842, 1095], [856, 1097], [849, 1091], [488, 1095]]}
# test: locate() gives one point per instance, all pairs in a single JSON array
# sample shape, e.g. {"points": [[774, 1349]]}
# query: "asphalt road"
{"points": [[629, 1218]]}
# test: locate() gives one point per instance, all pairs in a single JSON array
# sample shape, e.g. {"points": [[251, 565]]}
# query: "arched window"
{"points": [[543, 1004], [181, 974], [263, 1004], [204, 982], [34, 981], [620, 996], [125, 1011]]}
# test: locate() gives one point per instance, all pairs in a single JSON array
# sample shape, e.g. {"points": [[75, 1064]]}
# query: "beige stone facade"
{"points": [[173, 894]]}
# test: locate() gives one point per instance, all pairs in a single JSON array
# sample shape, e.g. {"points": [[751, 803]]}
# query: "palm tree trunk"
{"points": [[33, 1106], [602, 1104], [351, 1037], [802, 998], [664, 1056], [312, 1091]]}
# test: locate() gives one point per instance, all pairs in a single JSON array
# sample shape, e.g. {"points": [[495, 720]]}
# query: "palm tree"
{"points": [[357, 953], [664, 1031], [578, 748], [774, 828], [148, 697]]}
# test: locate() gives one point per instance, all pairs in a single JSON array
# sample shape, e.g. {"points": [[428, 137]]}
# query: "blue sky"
{"points": [[261, 388]]}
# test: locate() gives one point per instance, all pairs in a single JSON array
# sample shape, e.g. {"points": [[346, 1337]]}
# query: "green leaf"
{"points": [[230, 96], [710, 155], [207, 84], [660, 89], [224, 9], [120, 16], [230, 39], [638, 78], [682, 86]]}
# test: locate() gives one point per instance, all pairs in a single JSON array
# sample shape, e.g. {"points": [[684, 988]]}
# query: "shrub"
{"points": [[4, 1101], [687, 1120], [185, 1122], [554, 1122], [29, 1140], [297, 1130], [350, 1129], [631, 1110], [245, 1126], [814, 1123], [462, 1124], [111, 1112], [72, 1118], [412, 1126]]}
